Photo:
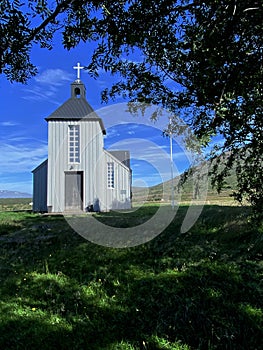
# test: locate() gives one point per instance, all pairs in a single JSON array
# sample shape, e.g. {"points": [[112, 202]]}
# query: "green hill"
{"points": [[193, 189]]}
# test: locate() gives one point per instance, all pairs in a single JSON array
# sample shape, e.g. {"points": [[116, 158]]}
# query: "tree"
{"points": [[200, 59]]}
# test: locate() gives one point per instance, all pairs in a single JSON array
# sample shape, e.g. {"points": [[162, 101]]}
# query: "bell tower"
{"points": [[78, 89]]}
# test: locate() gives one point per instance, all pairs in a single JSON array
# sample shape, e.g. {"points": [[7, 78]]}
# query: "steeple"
{"points": [[76, 107], [78, 89]]}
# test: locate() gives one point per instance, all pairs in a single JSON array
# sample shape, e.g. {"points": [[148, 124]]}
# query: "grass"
{"points": [[11, 204], [197, 290]]}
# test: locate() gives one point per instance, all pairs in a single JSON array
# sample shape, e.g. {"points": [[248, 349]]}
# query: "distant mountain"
{"points": [[14, 194]]}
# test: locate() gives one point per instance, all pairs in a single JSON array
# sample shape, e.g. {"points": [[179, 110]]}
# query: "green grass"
{"points": [[11, 204], [198, 290]]}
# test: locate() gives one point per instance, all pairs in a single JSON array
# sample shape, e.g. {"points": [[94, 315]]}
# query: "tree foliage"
{"points": [[200, 59]]}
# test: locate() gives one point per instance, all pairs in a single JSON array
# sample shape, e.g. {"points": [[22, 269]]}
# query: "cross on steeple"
{"points": [[78, 68]]}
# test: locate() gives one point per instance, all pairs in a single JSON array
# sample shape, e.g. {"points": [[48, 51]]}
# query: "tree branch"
{"points": [[60, 8]]}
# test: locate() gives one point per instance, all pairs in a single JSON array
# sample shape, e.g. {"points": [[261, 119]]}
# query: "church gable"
{"points": [[76, 107]]}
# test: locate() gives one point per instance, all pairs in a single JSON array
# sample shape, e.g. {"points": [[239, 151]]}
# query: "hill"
{"points": [[193, 189], [14, 194]]}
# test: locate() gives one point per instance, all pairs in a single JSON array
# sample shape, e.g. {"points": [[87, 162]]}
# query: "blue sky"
{"points": [[23, 130]]}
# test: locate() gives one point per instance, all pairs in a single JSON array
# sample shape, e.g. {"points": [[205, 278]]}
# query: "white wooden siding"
{"points": [[119, 196], [93, 164], [91, 150]]}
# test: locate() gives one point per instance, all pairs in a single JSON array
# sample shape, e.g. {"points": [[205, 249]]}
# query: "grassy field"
{"points": [[197, 290], [11, 204]]}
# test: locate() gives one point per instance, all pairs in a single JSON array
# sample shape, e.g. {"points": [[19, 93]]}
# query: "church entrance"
{"points": [[73, 191]]}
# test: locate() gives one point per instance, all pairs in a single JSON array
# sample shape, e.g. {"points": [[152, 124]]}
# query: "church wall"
{"points": [[40, 188], [91, 156], [119, 196], [57, 155], [91, 149]]}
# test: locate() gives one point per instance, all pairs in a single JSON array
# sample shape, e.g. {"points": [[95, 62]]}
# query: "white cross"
{"points": [[78, 68]]}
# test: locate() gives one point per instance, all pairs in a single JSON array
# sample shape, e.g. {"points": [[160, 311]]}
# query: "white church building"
{"points": [[79, 174]]}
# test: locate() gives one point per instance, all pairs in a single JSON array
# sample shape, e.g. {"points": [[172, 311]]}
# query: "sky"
{"points": [[23, 129]]}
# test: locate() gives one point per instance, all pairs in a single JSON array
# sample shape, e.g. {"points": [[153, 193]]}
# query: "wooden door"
{"points": [[74, 191]]}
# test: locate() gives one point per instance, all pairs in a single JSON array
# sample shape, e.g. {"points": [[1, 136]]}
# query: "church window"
{"points": [[74, 144], [110, 177]]}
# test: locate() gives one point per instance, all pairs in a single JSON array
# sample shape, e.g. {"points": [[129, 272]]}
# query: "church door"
{"points": [[73, 191]]}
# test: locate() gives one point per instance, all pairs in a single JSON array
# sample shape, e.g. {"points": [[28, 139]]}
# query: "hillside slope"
{"points": [[196, 188]]}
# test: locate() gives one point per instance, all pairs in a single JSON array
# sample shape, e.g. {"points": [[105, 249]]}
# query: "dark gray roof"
{"points": [[73, 108], [43, 164], [76, 107], [123, 156]]}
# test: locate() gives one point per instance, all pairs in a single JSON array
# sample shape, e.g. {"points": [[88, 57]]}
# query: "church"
{"points": [[79, 174]]}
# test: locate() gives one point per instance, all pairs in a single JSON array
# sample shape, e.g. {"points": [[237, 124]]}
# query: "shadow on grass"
{"points": [[199, 290]]}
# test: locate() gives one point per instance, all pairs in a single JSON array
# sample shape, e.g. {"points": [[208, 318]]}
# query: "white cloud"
{"points": [[131, 126], [17, 138], [112, 132], [20, 158], [121, 129], [146, 149], [54, 77], [8, 123], [48, 83], [41, 94]]}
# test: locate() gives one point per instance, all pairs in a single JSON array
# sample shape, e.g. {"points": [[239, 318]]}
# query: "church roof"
{"points": [[122, 156], [76, 107], [72, 109]]}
